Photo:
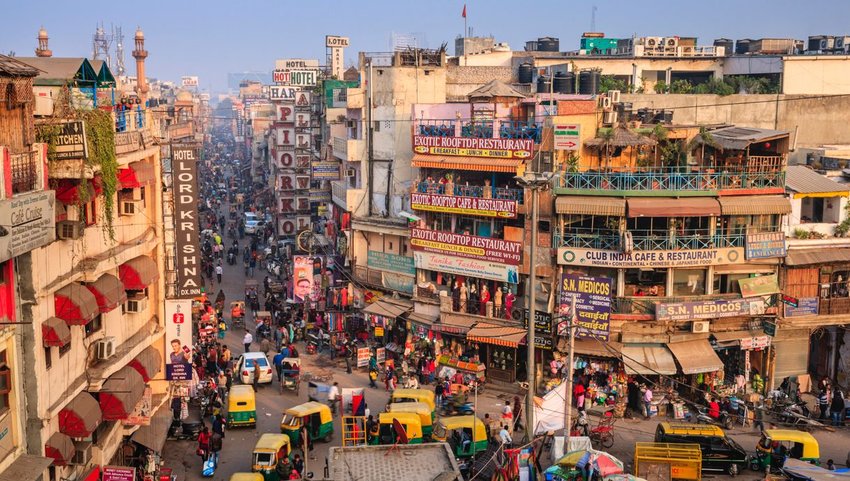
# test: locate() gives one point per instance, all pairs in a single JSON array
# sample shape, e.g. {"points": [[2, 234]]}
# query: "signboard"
{"points": [[292, 225], [285, 112], [296, 63], [759, 286], [650, 259], [118, 473], [381, 353], [567, 136], [185, 185], [127, 142], [302, 141], [334, 41], [752, 343], [178, 335], [473, 147], [296, 78], [390, 262], [709, 309], [465, 245], [189, 81], [7, 441], [302, 99], [286, 137], [302, 275], [397, 282], [542, 329], [70, 141], [454, 204], [466, 267], [325, 170], [789, 301], [363, 354], [277, 92], [806, 306], [27, 222], [766, 245], [141, 415], [320, 196], [302, 120], [592, 316]]}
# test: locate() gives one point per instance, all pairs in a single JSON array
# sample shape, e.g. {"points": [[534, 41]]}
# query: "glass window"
{"points": [[689, 282], [95, 325], [645, 282], [48, 358]]}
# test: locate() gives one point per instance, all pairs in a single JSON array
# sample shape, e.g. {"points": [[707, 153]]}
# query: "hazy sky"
{"points": [[209, 38]]}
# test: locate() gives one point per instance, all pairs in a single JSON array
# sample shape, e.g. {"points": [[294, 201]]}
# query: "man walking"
{"points": [[218, 271], [647, 402], [247, 340], [256, 376]]}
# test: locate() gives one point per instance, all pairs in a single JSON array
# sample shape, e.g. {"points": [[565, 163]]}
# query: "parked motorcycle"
{"points": [[699, 414], [184, 430]]}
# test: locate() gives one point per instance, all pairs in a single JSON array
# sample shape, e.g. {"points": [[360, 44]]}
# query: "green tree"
{"points": [[610, 82]]}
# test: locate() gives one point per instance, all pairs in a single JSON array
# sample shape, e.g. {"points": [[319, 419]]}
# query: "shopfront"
{"points": [[500, 350], [455, 351], [388, 319], [744, 354]]}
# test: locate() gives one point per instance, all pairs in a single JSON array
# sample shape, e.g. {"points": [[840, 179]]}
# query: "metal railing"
{"points": [[588, 239], [520, 130], [508, 193], [127, 120], [340, 145], [478, 308], [662, 179], [646, 241], [25, 169]]}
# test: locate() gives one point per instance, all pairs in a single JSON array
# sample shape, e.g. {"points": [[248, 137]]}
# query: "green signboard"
{"points": [[391, 262]]}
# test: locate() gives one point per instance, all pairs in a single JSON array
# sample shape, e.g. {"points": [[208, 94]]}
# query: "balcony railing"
{"points": [[426, 187], [661, 180], [127, 120], [25, 171], [589, 239], [481, 129]]}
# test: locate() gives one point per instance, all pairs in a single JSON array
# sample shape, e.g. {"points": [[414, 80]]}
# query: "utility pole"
{"points": [[369, 126], [568, 397]]}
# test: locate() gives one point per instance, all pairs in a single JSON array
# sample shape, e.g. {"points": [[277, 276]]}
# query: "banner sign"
{"points": [[759, 286], [28, 221], [753, 343], [473, 147], [118, 473], [806, 306], [650, 259], [593, 306], [454, 204], [325, 170], [178, 334], [278, 92], [302, 278], [398, 282], [466, 267], [709, 309], [390, 262], [766, 245], [465, 245], [141, 415], [185, 185]]}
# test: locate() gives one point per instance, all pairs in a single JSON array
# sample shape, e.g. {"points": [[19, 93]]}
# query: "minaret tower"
{"points": [[43, 50], [140, 54]]}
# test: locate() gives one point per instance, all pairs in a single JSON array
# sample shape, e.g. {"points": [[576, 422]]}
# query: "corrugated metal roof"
{"points": [[57, 71], [589, 205], [495, 88], [803, 180], [738, 138], [15, 68], [754, 205], [804, 257]]}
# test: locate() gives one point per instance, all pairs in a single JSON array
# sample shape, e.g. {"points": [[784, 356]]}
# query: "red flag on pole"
{"points": [[464, 11]]}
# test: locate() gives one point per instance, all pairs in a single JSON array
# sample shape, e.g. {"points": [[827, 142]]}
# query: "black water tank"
{"points": [[668, 116], [526, 73], [544, 85], [742, 46], [726, 43], [564, 83], [588, 82], [548, 44]]}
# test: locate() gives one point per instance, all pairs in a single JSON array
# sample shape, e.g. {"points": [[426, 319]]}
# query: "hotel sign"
{"points": [[277, 92], [690, 311], [453, 204], [465, 245], [650, 259], [473, 147], [766, 245], [185, 184]]}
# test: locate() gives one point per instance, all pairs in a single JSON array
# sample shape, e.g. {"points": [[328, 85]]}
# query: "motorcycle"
{"points": [[231, 258], [476, 386], [700, 416], [450, 409], [184, 430]]}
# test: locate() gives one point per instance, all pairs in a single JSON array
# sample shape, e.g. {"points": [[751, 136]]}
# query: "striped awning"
{"points": [[55, 332], [454, 323], [588, 205], [498, 335], [755, 205], [480, 164]]}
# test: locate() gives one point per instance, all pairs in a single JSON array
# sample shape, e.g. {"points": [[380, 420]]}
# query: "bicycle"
{"points": [[603, 433]]}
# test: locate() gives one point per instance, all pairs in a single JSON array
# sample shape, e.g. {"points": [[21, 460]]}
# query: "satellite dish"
{"points": [[400, 433]]}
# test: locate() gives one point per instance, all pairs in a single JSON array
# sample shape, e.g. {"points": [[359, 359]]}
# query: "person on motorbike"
{"points": [[714, 409], [458, 399]]}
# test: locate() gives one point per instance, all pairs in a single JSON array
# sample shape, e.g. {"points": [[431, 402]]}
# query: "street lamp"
{"points": [[533, 181]]}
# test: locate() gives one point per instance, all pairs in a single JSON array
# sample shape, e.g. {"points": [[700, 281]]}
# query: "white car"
{"points": [[245, 367]]}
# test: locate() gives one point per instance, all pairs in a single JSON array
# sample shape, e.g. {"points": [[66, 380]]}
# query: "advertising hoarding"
{"points": [[593, 305], [465, 245], [185, 185], [473, 147], [455, 204], [178, 335]]}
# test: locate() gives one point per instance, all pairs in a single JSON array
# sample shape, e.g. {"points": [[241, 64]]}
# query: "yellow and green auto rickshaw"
{"points": [[246, 477], [467, 435], [420, 409], [409, 422], [316, 416], [270, 449], [787, 443], [241, 406], [413, 396]]}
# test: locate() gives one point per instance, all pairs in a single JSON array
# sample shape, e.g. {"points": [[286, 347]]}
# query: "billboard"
{"points": [[302, 278], [178, 335], [465, 245], [593, 306], [185, 185], [473, 147], [649, 259], [334, 41], [189, 81], [466, 267], [455, 204]]}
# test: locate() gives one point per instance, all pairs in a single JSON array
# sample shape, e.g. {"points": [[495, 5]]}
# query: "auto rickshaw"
{"points": [[794, 444], [270, 449], [237, 313], [241, 406], [414, 395], [246, 477], [386, 432], [420, 409], [290, 374], [467, 435], [316, 416]]}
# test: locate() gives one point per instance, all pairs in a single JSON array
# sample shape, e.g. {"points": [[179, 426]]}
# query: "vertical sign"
{"points": [[302, 283], [178, 334], [185, 184], [593, 305]]}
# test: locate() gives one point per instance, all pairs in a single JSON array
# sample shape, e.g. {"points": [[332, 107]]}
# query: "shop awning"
{"points": [[667, 207], [588, 205], [61, 448], [55, 332], [80, 417], [498, 335], [741, 338], [153, 436], [69, 191], [26, 467], [120, 393], [423, 319], [147, 363], [136, 175], [592, 347], [755, 205], [75, 304], [478, 164], [109, 292], [455, 324], [696, 356], [138, 273], [388, 308], [803, 257], [648, 360]]}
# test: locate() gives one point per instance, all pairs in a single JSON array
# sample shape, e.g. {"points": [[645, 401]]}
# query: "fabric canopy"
{"points": [[498, 335], [75, 304], [55, 332], [136, 175], [109, 292], [479, 164], [423, 319], [138, 273], [755, 205], [153, 435], [455, 324], [387, 308], [69, 191], [61, 448], [120, 393], [696, 356], [147, 363], [80, 417], [648, 360], [589, 205], [667, 207], [592, 347]]}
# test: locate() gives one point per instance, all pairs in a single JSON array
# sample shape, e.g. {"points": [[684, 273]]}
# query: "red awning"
{"points": [[147, 363], [75, 304], [68, 190], [138, 273], [120, 393], [136, 175], [109, 292], [61, 448], [55, 332], [80, 417]]}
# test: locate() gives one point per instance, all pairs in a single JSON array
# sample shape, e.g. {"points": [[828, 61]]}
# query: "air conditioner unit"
{"points": [[606, 103], [130, 207], [615, 96], [609, 117], [82, 453], [652, 43], [104, 348], [136, 305], [671, 42], [827, 43], [699, 326], [69, 229], [350, 172]]}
